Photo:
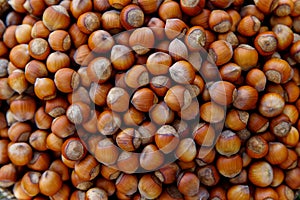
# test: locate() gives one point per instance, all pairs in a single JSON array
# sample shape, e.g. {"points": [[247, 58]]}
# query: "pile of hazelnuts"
{"points": [[149, 99]]}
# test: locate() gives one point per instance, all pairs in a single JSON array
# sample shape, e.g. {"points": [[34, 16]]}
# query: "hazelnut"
{"points": [[182, 72], [44, 88], [131, 17], [99, 70], [79, 7], [88, 22], [143, 99], [59, 13], [59, 40], [111, 21], [169, 9], [39, 48], [100, 41], [142, 40], [220, 21], [78, 38]]}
